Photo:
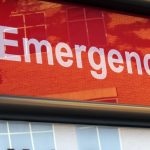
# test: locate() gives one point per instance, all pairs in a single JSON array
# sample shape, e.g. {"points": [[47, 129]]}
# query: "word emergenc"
{"points": [[99, 69]]}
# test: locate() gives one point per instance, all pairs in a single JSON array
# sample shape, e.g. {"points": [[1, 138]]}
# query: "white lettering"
{"points": [[38, 45], [78, 50], [146, 63], [60, 54], [138, 62], [118, 60], [101, 66], [5, 42]]}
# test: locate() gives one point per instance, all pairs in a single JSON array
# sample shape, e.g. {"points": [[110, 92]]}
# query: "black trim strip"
{"points": [[30, 109], [141, 7]]}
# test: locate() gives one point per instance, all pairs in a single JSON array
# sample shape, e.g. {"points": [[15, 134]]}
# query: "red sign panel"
{"points": [[65, 51]]}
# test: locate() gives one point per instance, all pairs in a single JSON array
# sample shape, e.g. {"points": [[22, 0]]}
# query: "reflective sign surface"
{"points": [[73, 52]]}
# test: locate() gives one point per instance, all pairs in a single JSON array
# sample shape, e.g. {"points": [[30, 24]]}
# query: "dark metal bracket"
{"points": [[63, 111], [140, 7]]}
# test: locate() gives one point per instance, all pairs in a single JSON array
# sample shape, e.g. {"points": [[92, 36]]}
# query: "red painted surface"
{"points": [[72, 24]]}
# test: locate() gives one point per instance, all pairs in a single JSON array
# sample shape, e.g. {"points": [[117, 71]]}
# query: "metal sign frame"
{"points": [[64, 111], [141, 7]]}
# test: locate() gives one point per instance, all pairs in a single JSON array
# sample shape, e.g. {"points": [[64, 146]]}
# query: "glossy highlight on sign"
{"points": [[74, 25]]}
